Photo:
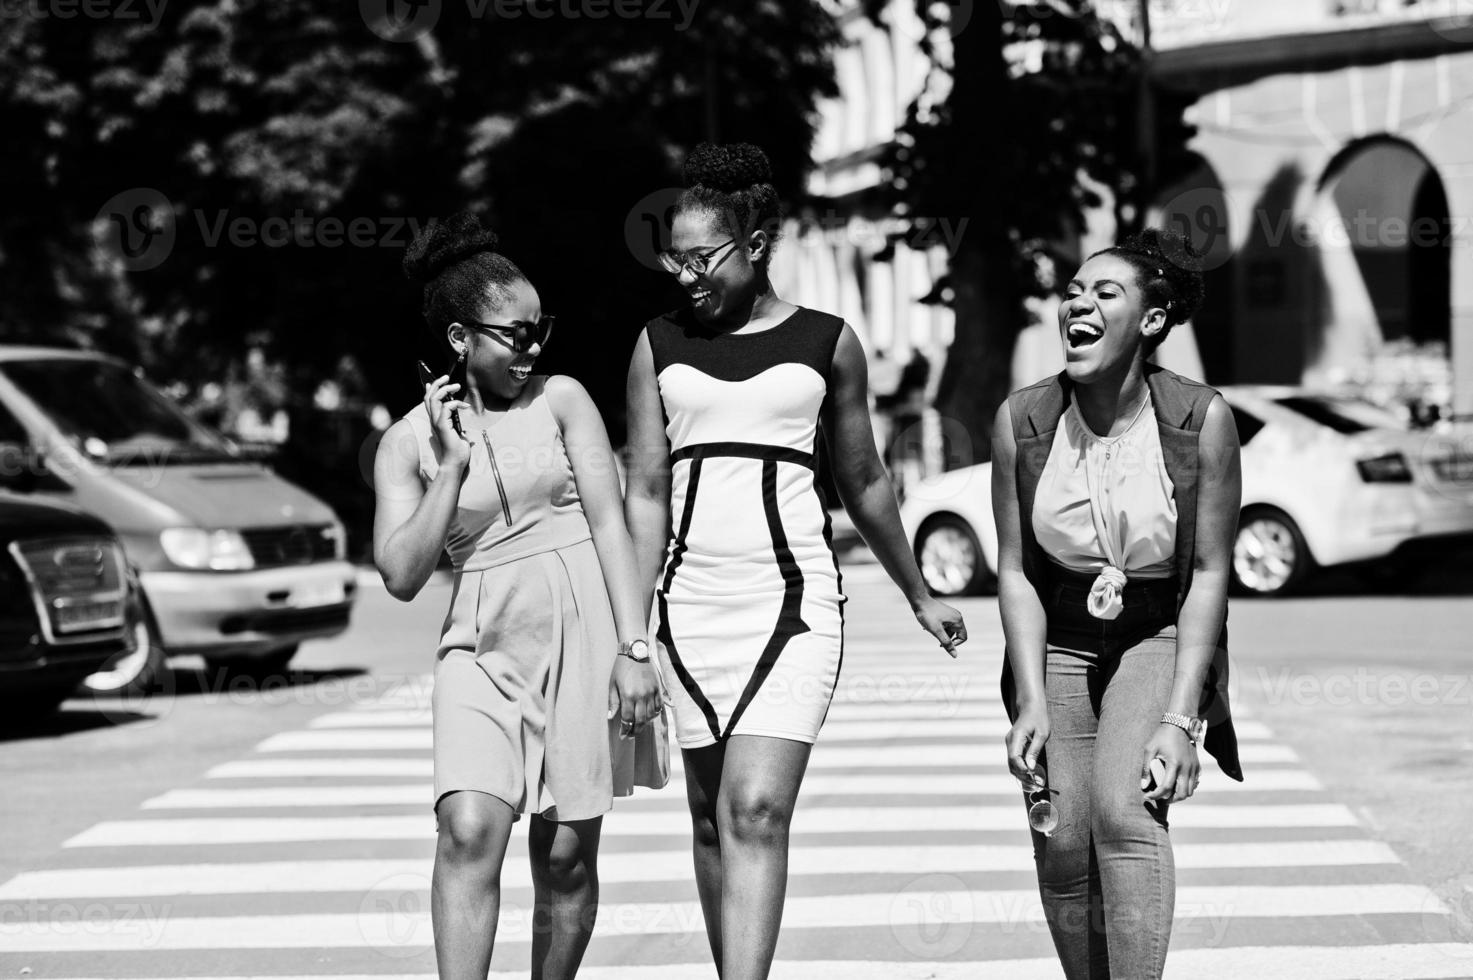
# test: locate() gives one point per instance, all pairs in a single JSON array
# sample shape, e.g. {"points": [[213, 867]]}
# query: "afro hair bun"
{"points": [[446, 243], [1174, 259], [727, 167]]}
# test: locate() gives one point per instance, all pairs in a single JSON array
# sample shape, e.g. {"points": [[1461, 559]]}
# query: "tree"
{"points": [[1024, 100], [185, 188]]}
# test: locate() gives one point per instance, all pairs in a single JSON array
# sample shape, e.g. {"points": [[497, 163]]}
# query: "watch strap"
{"points": [[1192, 726]]}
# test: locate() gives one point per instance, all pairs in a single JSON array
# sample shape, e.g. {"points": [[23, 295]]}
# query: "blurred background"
{"points": [[222, 192]]}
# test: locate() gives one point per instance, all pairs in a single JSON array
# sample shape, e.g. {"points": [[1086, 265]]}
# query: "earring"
{"points": [[460, 356]]}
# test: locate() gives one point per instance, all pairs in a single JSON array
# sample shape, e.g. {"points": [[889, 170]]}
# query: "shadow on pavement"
{"points": [[1447, 576], [76, 716], [205, 681]]}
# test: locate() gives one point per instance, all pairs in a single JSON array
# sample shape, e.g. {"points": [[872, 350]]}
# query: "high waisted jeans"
{"points": [[1106, 876]]}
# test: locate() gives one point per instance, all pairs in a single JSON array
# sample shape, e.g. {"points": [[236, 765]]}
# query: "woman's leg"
{"points": [[702, 786], [465, 893], [565, 904], [759, 786], [1137, 872], [1068, 879]]}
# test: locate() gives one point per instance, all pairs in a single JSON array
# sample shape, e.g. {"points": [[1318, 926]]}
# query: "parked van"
{"points": [[235, 563]]}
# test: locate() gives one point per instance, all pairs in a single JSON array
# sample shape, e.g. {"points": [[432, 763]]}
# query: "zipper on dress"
{"points": [[496, 472]]}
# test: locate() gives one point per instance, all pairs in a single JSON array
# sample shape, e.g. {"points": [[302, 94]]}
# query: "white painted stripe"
{"points": [[962, 784], [156, 929], [836, 729], [838, 714], [828, 758], [290, 877], [946, 753], [814, 820], [1429, 961]]}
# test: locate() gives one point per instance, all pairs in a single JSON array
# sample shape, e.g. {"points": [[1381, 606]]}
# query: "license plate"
{"points": [[75, 616], [1458, 469], [326, 594]]}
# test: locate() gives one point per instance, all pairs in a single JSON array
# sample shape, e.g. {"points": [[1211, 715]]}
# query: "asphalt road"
{"points": [[137, 830]]}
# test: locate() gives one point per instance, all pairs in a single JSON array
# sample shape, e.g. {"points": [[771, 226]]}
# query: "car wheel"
{"points": [[273, 664], [134, 674], [950, 557], [1270, 557]]}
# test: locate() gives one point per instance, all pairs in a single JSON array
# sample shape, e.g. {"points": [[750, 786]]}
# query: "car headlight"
{"points": [[194, 547]]}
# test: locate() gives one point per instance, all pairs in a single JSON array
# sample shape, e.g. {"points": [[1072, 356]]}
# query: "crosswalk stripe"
{"points": [[637, 866], [839, 714], [944, 753], [420, 737], [1393, 961], [908, 721], [810, 820], [965, 784], [156, 930]]}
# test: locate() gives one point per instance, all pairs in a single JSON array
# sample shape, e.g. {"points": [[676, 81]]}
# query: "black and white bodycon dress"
{"points": [[750, 621]]}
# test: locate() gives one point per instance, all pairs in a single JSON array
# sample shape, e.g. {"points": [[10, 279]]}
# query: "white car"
{"points": [[1327, 480]]}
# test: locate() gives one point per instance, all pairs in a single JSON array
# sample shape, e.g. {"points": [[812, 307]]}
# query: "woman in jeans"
{"points": [[1116, 490]]}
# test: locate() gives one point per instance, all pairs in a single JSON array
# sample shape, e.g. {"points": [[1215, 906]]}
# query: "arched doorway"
{"points": [[1383, 234]]}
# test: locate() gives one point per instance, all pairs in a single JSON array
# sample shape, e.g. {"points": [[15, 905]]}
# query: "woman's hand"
{"points": [[1171, 745], [634, 695], [1025, 740], [440, 401], [942, 622]]}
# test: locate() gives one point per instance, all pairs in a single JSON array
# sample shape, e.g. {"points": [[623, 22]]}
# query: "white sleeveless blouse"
{"points": [[1104, 506]]}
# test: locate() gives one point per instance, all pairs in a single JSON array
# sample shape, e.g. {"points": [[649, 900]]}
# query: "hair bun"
{"points": [[445, 243], [1177, 261], [727, 167]]}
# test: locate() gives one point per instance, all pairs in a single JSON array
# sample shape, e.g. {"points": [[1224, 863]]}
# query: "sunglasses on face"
{"points": [[519, 335], [696, 261]]}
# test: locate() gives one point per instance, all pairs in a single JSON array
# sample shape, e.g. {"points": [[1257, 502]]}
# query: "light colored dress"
{"points": [[1105, 507], [749, 606], [522, 670]]}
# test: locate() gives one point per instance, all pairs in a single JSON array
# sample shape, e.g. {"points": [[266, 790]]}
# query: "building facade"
{"points": [[1334, 190]]}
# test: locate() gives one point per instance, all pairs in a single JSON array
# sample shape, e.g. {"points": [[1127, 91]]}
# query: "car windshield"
{"points": [[1346, 416], [113, 414]]}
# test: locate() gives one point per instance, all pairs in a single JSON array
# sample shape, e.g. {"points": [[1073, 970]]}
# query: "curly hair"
{"points": [[457, 263], [733, 183], [1169, 271]]}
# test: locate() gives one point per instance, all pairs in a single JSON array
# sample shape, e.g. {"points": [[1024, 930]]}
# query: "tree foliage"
{"points": [[260, 134], [1029, 106]]}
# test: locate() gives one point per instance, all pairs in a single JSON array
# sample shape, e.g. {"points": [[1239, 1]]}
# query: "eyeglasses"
{"points": [[1042, 815], [519, 335], [697, 262]]}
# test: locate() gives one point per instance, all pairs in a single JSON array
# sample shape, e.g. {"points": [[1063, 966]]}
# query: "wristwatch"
{"points": [[1195, 728], [636, 650]]}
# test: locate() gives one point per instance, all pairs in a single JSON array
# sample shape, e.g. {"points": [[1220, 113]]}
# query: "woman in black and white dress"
{"points": [[726, 401]]}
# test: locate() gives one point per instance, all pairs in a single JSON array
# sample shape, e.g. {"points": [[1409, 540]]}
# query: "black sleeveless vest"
{"points": [[1181, 408]]}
